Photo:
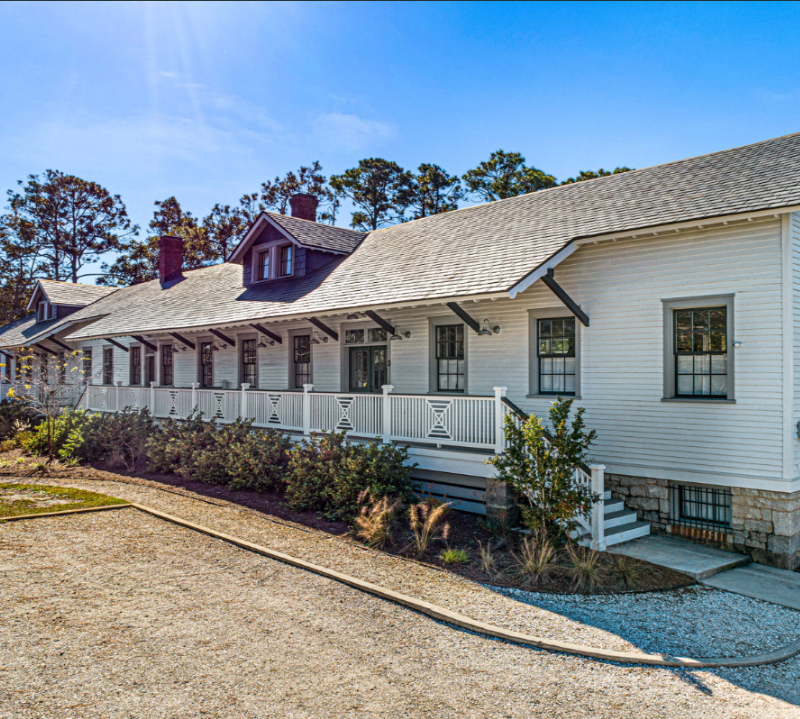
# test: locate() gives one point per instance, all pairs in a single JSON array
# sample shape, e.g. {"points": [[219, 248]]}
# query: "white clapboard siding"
{"points": [[621, 286], [795, 237]]}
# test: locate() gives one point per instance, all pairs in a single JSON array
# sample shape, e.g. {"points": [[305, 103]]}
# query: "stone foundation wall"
{"points": [[765, 525]]}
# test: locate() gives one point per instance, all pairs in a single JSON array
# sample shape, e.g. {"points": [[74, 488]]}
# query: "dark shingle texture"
{"points": [[315, 234], [73, 294], [23, 331], [481, 249]]}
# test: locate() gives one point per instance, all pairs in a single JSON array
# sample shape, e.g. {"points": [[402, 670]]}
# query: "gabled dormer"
{"points": [[53, 300], [278, 247]]}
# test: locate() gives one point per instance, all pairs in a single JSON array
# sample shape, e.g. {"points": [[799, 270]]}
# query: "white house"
{"points": [[665, 300]]}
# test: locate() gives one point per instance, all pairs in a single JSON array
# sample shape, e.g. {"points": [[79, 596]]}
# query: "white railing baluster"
{"points": [[499, 419], [387, 413], [195, 386], [598, 523], [243, 411], [307, 389]]}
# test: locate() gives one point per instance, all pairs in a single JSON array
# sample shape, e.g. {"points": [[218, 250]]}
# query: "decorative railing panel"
{"points": [[468, 421], [281, 410], [359, 414]]}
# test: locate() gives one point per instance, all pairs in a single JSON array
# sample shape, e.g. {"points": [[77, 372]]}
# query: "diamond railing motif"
{"points": [[344, 423], [440, 428]]}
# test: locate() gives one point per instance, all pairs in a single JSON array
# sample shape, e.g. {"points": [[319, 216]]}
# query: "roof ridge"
{"points": [[319, 224], [626, 174]]}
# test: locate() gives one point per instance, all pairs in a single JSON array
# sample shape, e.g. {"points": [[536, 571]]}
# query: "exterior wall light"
{"points": [[399, 334], [486, 332], [317, 337]]}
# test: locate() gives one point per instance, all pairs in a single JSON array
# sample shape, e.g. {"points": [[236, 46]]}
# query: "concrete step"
{"points": [[626, 532], [612, 506], [607, 495], [615, 519], [698, 561]]}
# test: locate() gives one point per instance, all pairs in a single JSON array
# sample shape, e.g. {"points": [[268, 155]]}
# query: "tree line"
{"points": [[56, 224]]}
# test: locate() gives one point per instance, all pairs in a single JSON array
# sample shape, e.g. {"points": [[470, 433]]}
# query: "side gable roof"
{"points": [[72, 294], [480, 250], [306, 233]]}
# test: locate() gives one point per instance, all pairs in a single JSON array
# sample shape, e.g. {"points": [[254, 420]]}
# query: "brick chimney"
{"points": [[170, 258], [304, 206]]}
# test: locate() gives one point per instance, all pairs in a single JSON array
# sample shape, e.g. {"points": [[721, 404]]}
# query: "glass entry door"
{"points": [[367, 369]]}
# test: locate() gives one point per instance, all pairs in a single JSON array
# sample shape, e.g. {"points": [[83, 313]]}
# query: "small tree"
{"points": [[431, 191], [48, 385], [540, 466]]}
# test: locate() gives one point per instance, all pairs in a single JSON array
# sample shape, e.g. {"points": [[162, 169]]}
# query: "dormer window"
{"points": [[263, 265], [273, 261], [286, 260], [44, 311]]}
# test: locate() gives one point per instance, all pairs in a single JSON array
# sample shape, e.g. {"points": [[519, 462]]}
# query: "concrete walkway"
{"points": [[697, 561], [778, 586], [717, 568]]}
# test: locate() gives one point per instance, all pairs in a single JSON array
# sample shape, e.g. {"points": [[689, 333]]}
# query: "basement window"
{"points": [[702, 507]]}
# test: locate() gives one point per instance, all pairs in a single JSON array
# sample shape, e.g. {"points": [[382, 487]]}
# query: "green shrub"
{"points": [[258, 460], [14, 414], [234, 454], [63, 425], [540, 467], [327, 474]]}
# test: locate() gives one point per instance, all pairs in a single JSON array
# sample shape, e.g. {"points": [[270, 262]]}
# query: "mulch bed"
{"points": [[465, 532]]}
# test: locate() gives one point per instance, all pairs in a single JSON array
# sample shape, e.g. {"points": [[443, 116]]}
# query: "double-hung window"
{"points": [[207, 364], [698, 354], [167, 366], [701, 352], [136, 366], [451, 362], [286, 255], [249, 362], [556, 353], [262, 272], [301, 360], [86, 364], [108, 365]]}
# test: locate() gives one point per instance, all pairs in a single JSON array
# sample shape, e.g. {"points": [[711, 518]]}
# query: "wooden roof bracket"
{"points": [[322, 326], [108, 339], [66, 347], [378, 320], [464, 315], [264, 331], [569, 303], [178, 337], [223, 337], [150, 345]]}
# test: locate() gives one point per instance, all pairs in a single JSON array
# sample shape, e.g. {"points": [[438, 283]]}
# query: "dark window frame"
{"points": [[248, 370], [448, 338], [550, 330], [700, 333], [108, 365], [206, 364], [301, 371], [135, 378], [167, 365], [86, 363], [285, 260], [262, 270], [670, 356]]}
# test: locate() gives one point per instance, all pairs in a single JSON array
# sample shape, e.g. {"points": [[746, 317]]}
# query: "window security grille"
{"points": [[703, 507]]}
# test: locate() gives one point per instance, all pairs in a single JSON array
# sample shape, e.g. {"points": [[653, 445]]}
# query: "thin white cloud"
{"points": [[350, 132]]}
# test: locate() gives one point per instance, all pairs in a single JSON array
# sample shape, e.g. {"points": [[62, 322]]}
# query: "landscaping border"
{"points": [[102, 508], [454, 618]]}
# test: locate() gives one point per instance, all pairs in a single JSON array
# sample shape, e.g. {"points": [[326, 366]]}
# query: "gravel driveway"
{"points": [[122, 615]]}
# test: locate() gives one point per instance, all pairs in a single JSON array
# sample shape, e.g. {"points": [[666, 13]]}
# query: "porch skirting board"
{"points": [[764, 525]]}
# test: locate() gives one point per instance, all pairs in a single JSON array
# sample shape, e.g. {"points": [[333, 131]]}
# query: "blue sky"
{"points": [[205, 101]]}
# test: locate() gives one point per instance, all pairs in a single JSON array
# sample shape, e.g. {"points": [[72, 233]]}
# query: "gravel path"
{"points": [[190, 626]]}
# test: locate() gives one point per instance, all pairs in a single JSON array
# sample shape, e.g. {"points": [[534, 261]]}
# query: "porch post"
{"points": [[307, 389], [245, 387], [153, 398], [387, 413], [598, 523], [117, 383], [195, 385], [499, 417]]}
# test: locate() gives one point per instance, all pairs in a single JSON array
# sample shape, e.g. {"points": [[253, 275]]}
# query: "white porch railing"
{"points": [[442, 421]]}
